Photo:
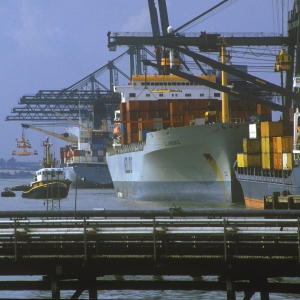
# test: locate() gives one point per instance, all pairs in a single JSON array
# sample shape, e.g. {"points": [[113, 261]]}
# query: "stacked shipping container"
{"points": [[272, 150], [137, 117]]}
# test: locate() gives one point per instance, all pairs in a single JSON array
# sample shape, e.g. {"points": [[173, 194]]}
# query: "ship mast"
{"points": [[49, 161], [225, 106]]}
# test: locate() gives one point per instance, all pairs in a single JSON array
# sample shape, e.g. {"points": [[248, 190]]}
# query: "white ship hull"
{"points": [[182, 163]]}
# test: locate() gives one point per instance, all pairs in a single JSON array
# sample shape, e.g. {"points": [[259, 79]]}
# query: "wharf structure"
{"points": [[243, 249]]}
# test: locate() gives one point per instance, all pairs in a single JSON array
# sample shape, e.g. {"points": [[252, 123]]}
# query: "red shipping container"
{"points": [[144, 114], [132, 127], [187, 120], [153, 105], [193, 112], [133, 137], [132, 115], [124, 139], [122, 108], [153, 114], [163, 104], [143, 105], [175, 108], [132, 105], [165, 114]]}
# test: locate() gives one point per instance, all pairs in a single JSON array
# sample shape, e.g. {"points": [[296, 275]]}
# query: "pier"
{"points": [[243, 249]]}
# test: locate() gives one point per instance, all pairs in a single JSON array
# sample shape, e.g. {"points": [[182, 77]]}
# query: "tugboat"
{"points": [[7, 192], [49, 182]]}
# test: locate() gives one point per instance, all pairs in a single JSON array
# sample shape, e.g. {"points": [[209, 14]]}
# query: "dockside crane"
{"points": [[63, 136]]}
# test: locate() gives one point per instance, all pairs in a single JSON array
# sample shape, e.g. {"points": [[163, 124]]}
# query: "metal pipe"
{"points": [[212, 213]]}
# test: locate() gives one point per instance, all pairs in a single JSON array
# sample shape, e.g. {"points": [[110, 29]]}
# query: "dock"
{"points": [[243, 249]]}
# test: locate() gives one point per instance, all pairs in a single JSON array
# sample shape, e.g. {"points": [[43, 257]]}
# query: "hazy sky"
{"points": [[51, 44]]}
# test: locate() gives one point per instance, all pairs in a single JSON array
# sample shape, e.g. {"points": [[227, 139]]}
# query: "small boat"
{"points": [[49, 182], [7, 192], [22, 187]]}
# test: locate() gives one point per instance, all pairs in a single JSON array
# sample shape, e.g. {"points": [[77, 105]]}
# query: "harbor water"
{"points": [[90, 199]]}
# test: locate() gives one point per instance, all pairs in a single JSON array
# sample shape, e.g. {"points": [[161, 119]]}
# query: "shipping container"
{"points": [[251, 145], [271, 129], [277, 161], [251, 160], [287, 161], [283, 144], [266, 144], [132, 105], [132, 137], [267, 161], [187, 120], [263, 110]]}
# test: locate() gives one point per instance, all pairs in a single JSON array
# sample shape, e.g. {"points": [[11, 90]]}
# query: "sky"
{"points": [[52, 44]]}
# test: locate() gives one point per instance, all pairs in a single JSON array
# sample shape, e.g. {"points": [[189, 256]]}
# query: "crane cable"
{"points": [[207, 15]]}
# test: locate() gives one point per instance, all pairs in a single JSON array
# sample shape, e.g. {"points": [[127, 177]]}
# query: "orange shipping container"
{"points": [[277, 161], [283, 144]]}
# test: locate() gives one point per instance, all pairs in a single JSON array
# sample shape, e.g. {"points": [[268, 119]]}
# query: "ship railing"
{"points": [[264, 175], [134, 147], [233, 120]]}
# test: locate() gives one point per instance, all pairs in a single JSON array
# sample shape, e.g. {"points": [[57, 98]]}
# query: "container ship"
{"points": [[84, 163], [270, 163], [171, 143]]}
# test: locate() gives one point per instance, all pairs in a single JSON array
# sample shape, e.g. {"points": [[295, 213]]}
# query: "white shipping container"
{"points": [[287, 161]]}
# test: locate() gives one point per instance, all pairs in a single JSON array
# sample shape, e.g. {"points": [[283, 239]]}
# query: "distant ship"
{"points": [[85, 164]]}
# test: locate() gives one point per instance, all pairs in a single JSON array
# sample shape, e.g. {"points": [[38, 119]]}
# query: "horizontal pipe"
{"points": [[213, 213]]}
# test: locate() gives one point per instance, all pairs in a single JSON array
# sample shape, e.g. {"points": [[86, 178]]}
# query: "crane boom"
{"points": [[63, 136], [77, 123]]}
